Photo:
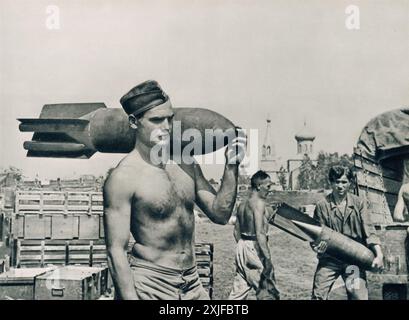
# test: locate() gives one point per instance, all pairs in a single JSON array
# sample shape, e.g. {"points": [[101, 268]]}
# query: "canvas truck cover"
{"points": [[386, 136]]}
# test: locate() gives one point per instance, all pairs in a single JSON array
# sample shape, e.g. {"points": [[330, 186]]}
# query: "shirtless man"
{"points": [[253, 259], [154, 201], [402, 203]]}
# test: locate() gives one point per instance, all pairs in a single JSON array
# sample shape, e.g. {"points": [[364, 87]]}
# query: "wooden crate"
{"points": [[57, 215], [395, 246], [388, 287], [71, 283], [64, 202], [38, 253], [204, 261], [56, 225], [379, 185], [19, 283]]}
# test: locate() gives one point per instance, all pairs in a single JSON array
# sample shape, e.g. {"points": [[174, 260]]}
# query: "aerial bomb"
{"points": [[79, 130], [306, 228]]}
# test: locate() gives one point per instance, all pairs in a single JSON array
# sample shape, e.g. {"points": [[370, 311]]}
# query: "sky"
{"points": [[292, 60]]}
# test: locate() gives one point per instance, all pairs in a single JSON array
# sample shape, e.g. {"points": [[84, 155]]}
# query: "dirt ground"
{"points": [[293, 259]]}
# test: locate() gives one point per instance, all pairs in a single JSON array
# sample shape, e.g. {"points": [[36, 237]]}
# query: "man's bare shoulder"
{"points": [[123, 177], [405, 188], [257, 205]]}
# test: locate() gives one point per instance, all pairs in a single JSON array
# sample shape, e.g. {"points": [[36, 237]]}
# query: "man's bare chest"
{"points": [[162, 192]]}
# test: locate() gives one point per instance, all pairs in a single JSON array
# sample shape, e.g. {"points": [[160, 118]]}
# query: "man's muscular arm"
{"points": [[259, 226], [237, 232], [400, 204], [117, 215], [219, 206]]}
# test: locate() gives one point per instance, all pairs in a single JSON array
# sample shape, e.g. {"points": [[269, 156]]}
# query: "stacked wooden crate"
{"points": [[204, 260], [51, 227], [57, 215], [66, 228], [379, 185]]}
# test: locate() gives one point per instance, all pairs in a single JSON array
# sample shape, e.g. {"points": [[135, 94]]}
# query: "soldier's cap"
{"points": [[143, 97]]}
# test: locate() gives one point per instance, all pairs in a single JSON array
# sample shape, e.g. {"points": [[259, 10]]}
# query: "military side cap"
{"points": [[143, 97]]}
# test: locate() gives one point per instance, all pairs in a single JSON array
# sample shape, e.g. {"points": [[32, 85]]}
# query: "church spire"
{"points": [[268, 154]]}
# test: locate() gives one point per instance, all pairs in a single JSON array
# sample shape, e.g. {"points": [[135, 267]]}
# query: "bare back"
{"points": [[245, 216]]}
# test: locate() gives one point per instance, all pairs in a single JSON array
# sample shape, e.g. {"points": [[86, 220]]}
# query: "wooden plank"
{"points": [[52, 197], [204, 272], [74, 256], [372, 195], [89, 227], [38, 248], [17, 226], [374, 167], [83, 208], [377, 218], [50, 194], [27, 242], [36, 227], [374, 207], [202, 258], [101, 228], [86, 247], [34, 197], [53, 207], [39, 256], [23, 207], [78, 197], [64, 227], [370, 180], [366, 165]]}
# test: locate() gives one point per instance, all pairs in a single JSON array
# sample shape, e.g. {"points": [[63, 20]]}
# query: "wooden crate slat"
{"points": [[23, 197], [76, 197], [38, 248], [85, 247], [29, 207], [39, 257], [369, 180], [77, 207], [372, 166]]}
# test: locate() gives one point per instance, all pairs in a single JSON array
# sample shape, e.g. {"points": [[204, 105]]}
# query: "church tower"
{"points": [[268, 161], [305, 141]]}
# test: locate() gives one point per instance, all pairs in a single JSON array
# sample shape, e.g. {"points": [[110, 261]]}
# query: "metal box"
{"points": [[71, 283]]}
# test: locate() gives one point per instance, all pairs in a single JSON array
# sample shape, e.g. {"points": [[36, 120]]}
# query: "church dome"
{"points": [[305, 134]]}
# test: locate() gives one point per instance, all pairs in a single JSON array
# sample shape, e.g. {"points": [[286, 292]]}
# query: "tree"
{"points": [[16, 172], [307, 176], [315, 175]]}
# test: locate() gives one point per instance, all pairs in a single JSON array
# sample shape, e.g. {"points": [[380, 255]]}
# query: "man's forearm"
{"points": [[377, 250], [262, 242], [122, 275], [226, 196]]}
